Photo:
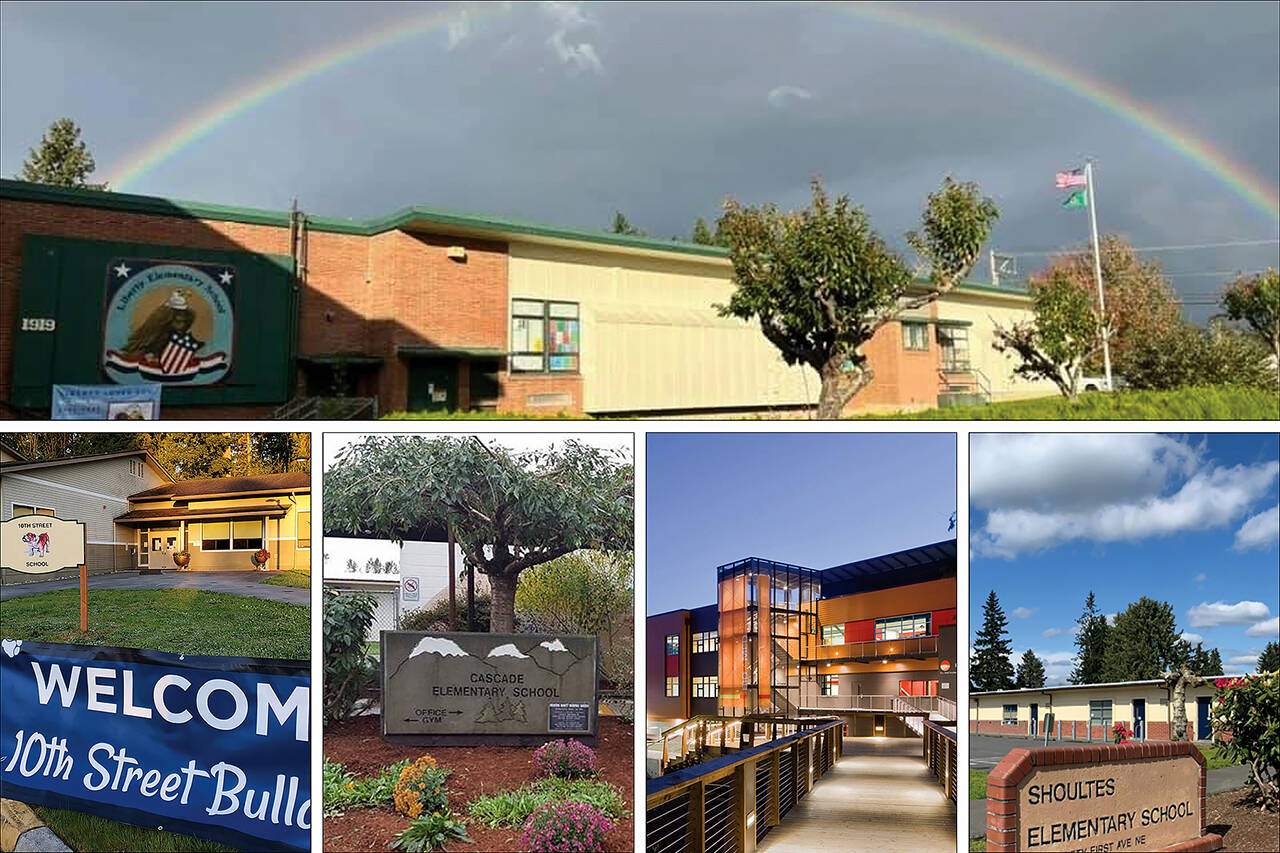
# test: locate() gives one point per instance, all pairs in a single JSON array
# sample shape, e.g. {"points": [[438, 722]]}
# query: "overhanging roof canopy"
{"points": [[914, 565], [414, 351], [140, 516]]}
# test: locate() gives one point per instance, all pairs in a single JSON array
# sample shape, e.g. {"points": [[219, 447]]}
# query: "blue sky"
{"points": [[563, 112], [814, 500], [1187, 519]]}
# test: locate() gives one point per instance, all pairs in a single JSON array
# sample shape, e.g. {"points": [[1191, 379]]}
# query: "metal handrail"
{"points": [[904, 647], [941, 754], [699, 733]]}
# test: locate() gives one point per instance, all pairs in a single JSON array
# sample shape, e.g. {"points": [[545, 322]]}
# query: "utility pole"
{"points": [[1097, 270]]}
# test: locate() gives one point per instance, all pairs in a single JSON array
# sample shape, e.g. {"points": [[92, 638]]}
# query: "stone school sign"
{"points": [[1138, 796], [442, 687]]}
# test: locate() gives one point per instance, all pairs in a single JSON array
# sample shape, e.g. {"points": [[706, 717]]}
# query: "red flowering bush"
{"points": [[1121, 733], [563, 826], [260, 557], [568, 759], [1246, 729]]}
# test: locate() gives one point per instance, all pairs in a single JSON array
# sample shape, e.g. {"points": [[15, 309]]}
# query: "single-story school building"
{"points": [[136, 516], [1088, 712], [250, 313]]}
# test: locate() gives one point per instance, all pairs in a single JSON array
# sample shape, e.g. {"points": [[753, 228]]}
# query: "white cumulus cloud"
{"points": [[568, 17], [1041, 491], [1260, 531], [1051, 632], [1266, 628], [1201, 578], [1023, 612], [780, 96], [1206, 615], [1191, 638]]}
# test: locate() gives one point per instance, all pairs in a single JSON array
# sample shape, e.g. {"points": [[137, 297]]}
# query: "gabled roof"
{"points": [[8, 448], [77, 460], [294, 481]]}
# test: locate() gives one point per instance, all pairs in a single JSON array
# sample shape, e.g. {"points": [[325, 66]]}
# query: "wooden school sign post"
{"points": [[1135, 796], [40, 544]]}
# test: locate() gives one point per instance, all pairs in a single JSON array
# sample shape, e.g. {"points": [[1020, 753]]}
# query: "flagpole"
{"points": [[1097, 269]]}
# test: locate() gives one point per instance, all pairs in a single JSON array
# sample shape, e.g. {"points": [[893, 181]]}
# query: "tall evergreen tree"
{"points": [[1092, 632], [1269, 660], [1030, 671], [990, 667], [1144, 642], [621, 225], [61, 159]]}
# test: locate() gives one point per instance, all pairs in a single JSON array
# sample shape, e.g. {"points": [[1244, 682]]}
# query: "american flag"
{"points": [[1074, 178], [178, 352]]}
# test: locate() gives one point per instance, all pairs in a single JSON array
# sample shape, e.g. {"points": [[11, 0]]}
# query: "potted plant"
{"points": [[182, 558], [260, 558]]}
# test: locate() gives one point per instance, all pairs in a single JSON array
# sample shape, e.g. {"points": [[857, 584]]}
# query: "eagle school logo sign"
{"points": [[168, 321]]}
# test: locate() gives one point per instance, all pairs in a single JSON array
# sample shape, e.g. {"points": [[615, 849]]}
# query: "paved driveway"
{"points": [[234, 583]]}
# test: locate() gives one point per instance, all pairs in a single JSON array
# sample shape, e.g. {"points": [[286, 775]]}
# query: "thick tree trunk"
{"points": [[839, 386], [502, 618]]}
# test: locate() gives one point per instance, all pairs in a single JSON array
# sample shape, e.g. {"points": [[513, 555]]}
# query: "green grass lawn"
{"points": [[300, 578], [1211, 403], [183, 621], [1213, 758], [977, 784]]}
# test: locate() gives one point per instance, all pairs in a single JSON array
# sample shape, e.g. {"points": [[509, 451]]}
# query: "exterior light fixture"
{"points": [[456, 253]]}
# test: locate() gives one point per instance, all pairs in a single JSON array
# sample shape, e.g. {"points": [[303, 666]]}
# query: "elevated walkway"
{"points": [[879, 797]]}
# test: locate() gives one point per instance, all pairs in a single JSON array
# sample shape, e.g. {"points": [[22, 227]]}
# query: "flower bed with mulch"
{"points": [[475, 771], [1243, 828]]}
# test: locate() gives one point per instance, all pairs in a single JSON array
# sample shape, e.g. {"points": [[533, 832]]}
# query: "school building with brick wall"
{"points": [[250, 313], [1087, 712]]}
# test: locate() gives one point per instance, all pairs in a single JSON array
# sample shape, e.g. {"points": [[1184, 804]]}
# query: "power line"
{"points": [[1173, 248]]}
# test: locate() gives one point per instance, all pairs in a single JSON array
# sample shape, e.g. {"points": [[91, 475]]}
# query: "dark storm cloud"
{"points": [[564, 113]]}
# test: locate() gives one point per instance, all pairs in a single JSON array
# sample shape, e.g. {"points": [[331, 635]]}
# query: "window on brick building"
{"points": [[1100, 712], [915, 336], [1010, 716], [544, 336]]}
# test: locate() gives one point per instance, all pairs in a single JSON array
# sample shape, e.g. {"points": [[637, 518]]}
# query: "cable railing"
{"points": [[940, 754], [718, 806], [708, 734], [908, 647]]}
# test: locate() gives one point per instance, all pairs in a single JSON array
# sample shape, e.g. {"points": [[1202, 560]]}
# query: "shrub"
{"points": [[431, 832], [420, 788], [343, 790], [1245, 731], [1121, 733], [512, 808], [571, 825], [348, 672], [1187, 356], [436, 617], [568, 759]]}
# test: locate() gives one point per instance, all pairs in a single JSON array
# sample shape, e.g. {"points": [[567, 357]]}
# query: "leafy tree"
{"points": [[1245, 731], [1141, 305], [348, 671], [509, 511], [1269, 660], [1092, 633], [1255, 301], [1188, 356], [1030, 671], [990, 667], [1143, 642], [821, 282], [621, 225], [702, 233], [61, 159], [1060, 338], [586, 592]]}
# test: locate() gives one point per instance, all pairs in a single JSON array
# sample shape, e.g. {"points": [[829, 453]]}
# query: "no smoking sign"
{"points": [[409, 589]]}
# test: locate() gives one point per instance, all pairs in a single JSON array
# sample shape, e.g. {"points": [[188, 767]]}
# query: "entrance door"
{"points": [[1203, 730], [1035, 718], [144, 549], [1140, 719], [433, 385]]}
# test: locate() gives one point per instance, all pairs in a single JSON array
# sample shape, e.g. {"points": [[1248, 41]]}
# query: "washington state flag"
{"points": [[1079, 198]]}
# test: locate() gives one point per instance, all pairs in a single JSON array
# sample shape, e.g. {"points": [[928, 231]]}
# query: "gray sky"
{"points": [[562, 113]]}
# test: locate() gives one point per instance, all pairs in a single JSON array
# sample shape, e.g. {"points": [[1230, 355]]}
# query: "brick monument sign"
{"points": [[441, 688], [1136, 796]]}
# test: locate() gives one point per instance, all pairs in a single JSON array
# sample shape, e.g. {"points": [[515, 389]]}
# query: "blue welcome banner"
{"points": [[106, 402], [213, 747]]}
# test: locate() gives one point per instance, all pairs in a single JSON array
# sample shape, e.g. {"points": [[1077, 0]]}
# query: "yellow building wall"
{"points": [[1074, 704], [985, 311], [281, 535], [650, 338]]}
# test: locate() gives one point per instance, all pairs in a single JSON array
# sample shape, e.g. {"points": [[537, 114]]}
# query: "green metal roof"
{"points": [[404, 219], [415, 351]]}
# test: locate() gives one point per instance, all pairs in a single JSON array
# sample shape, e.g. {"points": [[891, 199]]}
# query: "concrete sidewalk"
{"points": [[233, 583]]}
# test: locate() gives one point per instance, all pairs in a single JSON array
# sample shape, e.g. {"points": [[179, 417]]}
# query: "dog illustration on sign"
{"points": [[37, 544]]}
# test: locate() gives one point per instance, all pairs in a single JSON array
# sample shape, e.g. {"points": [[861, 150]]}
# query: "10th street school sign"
{"points": [[464, 688], [214, 747]]}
